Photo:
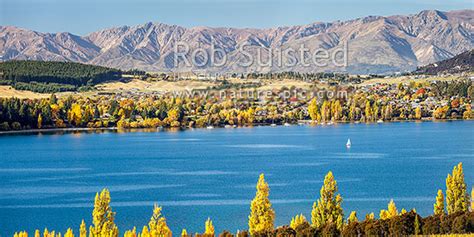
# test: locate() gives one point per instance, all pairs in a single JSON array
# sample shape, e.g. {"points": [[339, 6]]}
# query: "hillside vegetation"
{"points": [[461, 63], [44, 77]]}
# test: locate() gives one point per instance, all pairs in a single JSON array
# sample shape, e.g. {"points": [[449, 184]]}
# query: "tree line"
{"points": [[415, 101], [452, 214]]}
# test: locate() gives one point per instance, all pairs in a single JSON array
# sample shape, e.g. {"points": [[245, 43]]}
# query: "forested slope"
{"points": [[42, 76]]}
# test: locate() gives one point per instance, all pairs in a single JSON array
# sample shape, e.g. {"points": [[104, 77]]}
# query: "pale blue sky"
{"points": [[84, 16]]}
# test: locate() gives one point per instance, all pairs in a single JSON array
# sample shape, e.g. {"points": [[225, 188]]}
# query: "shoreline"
{"points": [[56, 130], [299, 123]]}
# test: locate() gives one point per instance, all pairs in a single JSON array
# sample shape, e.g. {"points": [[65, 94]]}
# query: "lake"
{"points": [[50, 180]]}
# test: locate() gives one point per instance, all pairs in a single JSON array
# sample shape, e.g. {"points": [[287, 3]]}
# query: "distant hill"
{"points": [[376, 44], [43, 76], [461, 63]]}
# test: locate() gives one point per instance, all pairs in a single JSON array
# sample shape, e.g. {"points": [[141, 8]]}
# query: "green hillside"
{"points": [[41, 76]]}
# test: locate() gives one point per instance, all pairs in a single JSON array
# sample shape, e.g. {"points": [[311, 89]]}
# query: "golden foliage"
{"points": [[297, 221], [328, 208], [439, 205], [456, 191], [390, 212], [209, 227], [262, 214]]}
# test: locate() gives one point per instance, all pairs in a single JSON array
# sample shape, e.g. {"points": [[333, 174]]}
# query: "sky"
{"points": [[84, 16]]}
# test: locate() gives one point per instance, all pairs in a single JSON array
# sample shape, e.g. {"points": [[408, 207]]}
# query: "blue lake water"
{"points": [[50, 180]]}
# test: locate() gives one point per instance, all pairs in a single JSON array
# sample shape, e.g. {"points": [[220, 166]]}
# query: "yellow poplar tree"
{"points": [[368, 111], [184, 233], [69, 233], [390, 212], [103, 217], [439, 205], [352, 217], [326, 111], [21, 234], [328, 208], [209, 227], [297, 221], [472, 199], [418, 113], [40, 121], [417, 225], [145, 232], [313, 109], [456, 192], [75, 114], [37, 233], [262, 214], [131, 233], [158, 225], [82, 229], [250, 116], [370, 216]]}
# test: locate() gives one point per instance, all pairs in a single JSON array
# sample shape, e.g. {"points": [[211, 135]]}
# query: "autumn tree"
{"points": [[328, 208], [352, 111], [131, 233], [468, 113], [352, 217], [69, 233], [21, 234], [173, 118], [368, 111], [313, 110], [326, 111], [209, 227], [74, 115], [390, 212], [472, 199], [417, 225], [297, 221], [457, 198], [439, 205], [375, 111], [262, 215], [157, 224], [370, 216], [82, 229], [336, 110], [418, 113], [103, 217]]}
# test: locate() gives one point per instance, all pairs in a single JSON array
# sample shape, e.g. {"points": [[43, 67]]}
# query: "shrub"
{"points": [[4, 126], [460, 225], [16, 126], [330, 230], [431, 225], [403, 225], [284, 231], [226, 233], [243, 234], [306, 230], [353, 229]]}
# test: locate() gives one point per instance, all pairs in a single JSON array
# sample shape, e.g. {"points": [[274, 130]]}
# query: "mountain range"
{"points": [[375, 44]]}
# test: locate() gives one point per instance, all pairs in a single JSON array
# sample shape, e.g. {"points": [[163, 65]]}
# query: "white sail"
{"points": [[348, 144]]}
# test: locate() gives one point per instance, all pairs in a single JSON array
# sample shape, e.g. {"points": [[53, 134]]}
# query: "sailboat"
{"points": [[348, 144]]}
